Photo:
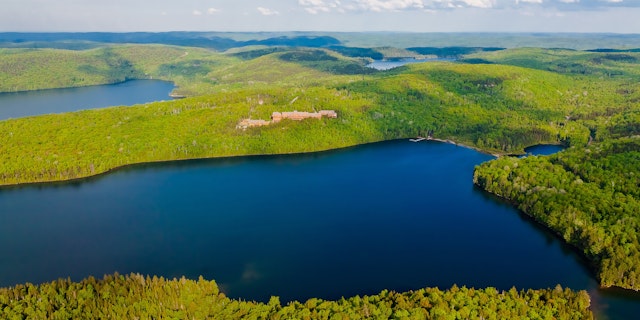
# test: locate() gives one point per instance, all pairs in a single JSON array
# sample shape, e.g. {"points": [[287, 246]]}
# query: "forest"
{"points": [[136, 296], [496, 101], [496, 108], [589, 195]]}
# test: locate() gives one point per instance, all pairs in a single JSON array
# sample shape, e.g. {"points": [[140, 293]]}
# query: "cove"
{"points": [[394, 215], [31, 103]]}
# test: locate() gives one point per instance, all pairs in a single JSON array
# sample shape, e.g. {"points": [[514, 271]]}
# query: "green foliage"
{"points": [[74, 145], [589, 196], [496, 108], [323, 61], [138, 297], [453, 52], [358, 52], [22, 70], [600, 64]]}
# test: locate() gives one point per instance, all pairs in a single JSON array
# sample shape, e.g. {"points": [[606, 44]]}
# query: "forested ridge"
{"points": [[495, 108], [137, 297]]}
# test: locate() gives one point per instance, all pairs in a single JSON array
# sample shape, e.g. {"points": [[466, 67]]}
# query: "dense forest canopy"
{"points": [[588, 195], [136, 296]]}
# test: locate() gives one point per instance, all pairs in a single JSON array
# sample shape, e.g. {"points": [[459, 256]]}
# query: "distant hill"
{"points": [[189, 39], [452, 52]]}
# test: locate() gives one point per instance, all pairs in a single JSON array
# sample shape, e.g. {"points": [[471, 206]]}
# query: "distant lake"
{"points": [[390, 64], [30, 103], [395, 215]]}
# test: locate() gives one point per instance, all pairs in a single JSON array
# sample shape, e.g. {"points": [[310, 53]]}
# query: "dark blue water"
{"points": [[30, 103], [395, 215], [544, 149]]}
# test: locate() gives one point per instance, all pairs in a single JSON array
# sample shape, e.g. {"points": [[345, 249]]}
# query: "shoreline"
{"points": [[124, 166], [93, 85], [593, 268], [168, 161], [495, 155]]}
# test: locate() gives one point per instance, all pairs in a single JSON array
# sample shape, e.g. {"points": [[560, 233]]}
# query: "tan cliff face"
{"points": [[279, 116]]}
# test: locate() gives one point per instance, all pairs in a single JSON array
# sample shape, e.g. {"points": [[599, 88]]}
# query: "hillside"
{"points": [[496, 108]]}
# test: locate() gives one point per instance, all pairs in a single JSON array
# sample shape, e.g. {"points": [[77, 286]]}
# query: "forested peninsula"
{"points": [[589, 196], [498, 101]]}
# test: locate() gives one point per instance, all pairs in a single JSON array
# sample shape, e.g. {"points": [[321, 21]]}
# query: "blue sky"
{"points": [[619, 16]]}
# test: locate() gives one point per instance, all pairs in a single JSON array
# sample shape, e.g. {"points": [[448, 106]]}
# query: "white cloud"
{"points": [[453, 4], [212, 11], [318, 6], [321, 6], [381, 6], [390, 5], [197, 13], [480, 3], [316, 10], [267, 12], [315, 3], [529, 1]]}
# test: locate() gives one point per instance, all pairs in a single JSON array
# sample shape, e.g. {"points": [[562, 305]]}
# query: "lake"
{"points": [[544, 149], [394, 63], [393, 215], [30, 103]]}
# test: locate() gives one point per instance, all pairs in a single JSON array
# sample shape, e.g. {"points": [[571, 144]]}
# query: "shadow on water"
{"points": [[550, 236]]}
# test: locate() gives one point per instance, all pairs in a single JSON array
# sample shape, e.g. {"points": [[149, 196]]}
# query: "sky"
{"points": [[615, 16]]}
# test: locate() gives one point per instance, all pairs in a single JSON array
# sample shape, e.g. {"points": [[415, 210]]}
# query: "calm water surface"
{"points": [[544, 149], [395, 215], [390, 64], [30, 103]]}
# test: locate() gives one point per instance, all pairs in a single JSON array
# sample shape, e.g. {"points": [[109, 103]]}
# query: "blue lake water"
{"points": [[544, 149], [390, 64], [394, 215], [30, 103]]}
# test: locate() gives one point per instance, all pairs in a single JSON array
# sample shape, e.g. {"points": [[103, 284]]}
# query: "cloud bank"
{"points": [[342, 6]]}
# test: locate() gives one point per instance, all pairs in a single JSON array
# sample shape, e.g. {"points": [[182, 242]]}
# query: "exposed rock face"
{"points": [[279, 116]]}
